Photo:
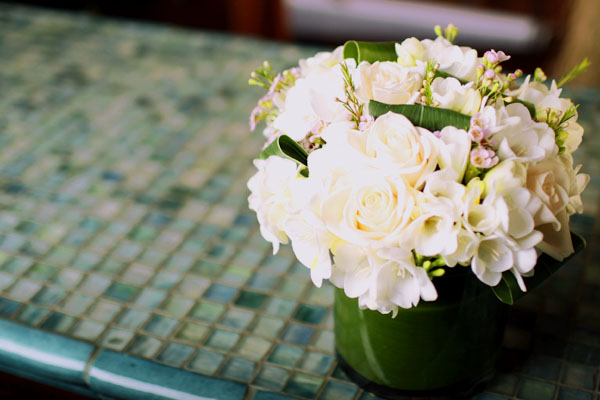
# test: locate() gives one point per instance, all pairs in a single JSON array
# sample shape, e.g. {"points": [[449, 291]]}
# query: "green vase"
{"points": [[446, 348]]}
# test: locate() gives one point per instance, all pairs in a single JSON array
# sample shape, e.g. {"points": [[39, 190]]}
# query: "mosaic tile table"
{"points": [[130, 266]]}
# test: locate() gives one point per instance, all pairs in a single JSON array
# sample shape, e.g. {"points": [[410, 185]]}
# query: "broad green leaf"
{"points": [[431, 118], [527, 104], [508, 291], [442, 74], [370, 51], [286, 147]]}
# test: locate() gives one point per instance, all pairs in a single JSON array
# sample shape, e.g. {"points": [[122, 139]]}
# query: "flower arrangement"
{"points": [[386, 164]]}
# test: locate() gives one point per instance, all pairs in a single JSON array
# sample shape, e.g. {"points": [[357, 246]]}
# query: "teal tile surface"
{"points": [[124, 226]]}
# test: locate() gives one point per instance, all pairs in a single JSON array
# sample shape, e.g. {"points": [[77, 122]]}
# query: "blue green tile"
{"points": [[24, 289], [263, 395], [267, 326], [322, 296], [191, 332], [207, 311], [193, 286], [310, 314], [207, 268], [206, 361], [166, 280], [150, 298], [67, 278], [144, 346], [58, 322], [88, 330], [250, 299], [175, 354], [253, 348], [49, 296], [104, 311], [17, 265], [579, 376], [291, 287], [325, 341], [32, 315], [61, 255], [77, 303], [280, 306], [220, 293], [238, 369], [286, 355], [139, 373], [584, 354], [86, 260], [42, 272], [489, 396], [572, 394], [7, 307], [237, 318], [116, 339], [303, 385], [262, 281], [160, 325], [177, 306], [317, 363], [271, 377], [276, 265], [543, 367], [222, 340], [298, 334], [94, 285], [536, 390], [235, 276], [247, 258], [339, 373], [180, 262], [337, 390], [137, 274], [121, 291], [133, 318], [503, 384]]}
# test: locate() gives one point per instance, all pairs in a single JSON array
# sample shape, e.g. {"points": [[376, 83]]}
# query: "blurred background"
{"points": [[554, 34]]}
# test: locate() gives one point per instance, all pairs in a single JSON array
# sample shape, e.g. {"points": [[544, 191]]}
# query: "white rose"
{"points": [[368, 209], [521, 138], [402, 148], [388, 82], [271, 196], [454, 96], [556, 183]]}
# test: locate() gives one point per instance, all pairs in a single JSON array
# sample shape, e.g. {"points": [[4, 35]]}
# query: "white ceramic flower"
{"points": [[450, 94], [271, 196], [556, 183], [401, 148], [388, 82]]}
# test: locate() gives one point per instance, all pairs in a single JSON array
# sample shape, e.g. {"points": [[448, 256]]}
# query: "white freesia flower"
{"points": [[506, 174], [409, 52], [521, 138], [382, 280], [435, 228], [450, 94], [556, 183], [399, 146], [271, 196], [388, 82], [454, 150], [543, 98], [321, 61], [458, 61], [312, 100]]}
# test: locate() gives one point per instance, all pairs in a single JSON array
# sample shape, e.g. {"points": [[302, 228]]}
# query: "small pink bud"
{"points": [[489, 74]]}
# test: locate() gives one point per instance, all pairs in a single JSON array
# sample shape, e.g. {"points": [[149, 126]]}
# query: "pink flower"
{"points": [[483, 158], [494, 56]]}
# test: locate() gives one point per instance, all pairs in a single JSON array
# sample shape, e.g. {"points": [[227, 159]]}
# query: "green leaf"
{"points": [[370, 51], [527, 104], [508, 290], [431, 118], [286, 147], [442, 74]]}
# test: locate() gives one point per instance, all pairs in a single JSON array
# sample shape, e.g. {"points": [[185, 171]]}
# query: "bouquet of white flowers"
{"points": [[388, 163]]}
